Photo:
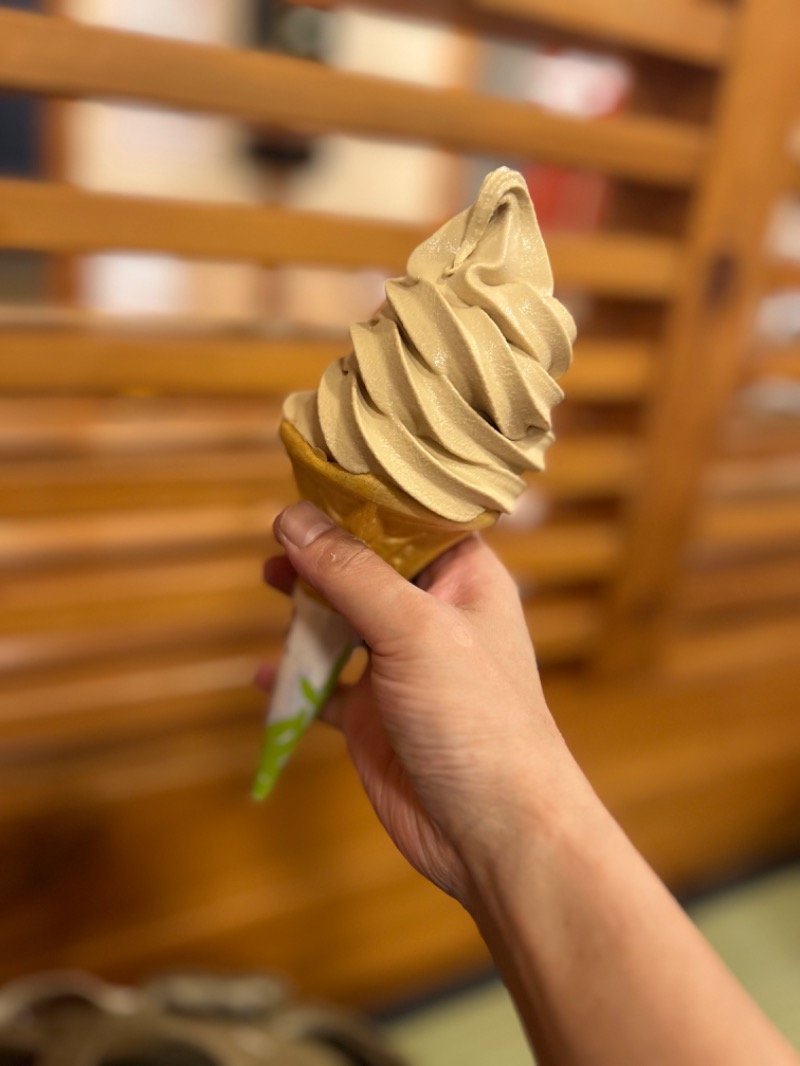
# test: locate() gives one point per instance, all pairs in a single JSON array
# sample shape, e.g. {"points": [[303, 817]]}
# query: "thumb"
{"points": [[360, 585]]}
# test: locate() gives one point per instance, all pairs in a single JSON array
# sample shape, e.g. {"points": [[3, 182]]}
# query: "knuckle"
{"points": [[344, 554]]}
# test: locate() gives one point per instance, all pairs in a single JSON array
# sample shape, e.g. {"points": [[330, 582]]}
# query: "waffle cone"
{"points": [[391, 523]]}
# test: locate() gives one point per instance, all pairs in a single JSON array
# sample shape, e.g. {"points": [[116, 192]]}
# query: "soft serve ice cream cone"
{"points": [[423, 432], [393, 524]]}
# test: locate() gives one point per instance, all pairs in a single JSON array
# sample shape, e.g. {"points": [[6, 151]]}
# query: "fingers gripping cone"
{"points": [[320, 641]]}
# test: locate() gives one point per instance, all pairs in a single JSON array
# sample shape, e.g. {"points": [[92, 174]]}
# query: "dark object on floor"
{"points": [[188, 1019]]}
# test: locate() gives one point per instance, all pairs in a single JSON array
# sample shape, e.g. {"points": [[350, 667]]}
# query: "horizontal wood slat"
{"points": [[588, 466], [563, 628], [39, 542], [682, 29], [42, 216], [751, 432], [98, 484], [59, 686], [779, 362], [57, 56], [782, 274], [112, 701], [748, 525], [762, 642], [739, 586], [552, 553], [616, 264], [99, 362], [206, 622], [580, 551], [109, 595], [758, 477], [83, 427], [109, 361], [614, 371], [580, 468]]}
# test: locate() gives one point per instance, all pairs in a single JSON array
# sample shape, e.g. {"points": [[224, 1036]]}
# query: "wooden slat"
{"points": [[108, 699], [763, 642], [597, 465], [721, 282], [204, 622], [575, 552], [616, 371], [57, 56], [129, 483], [681, 29], [737, 586], [696, 33], [602, 466], [92, 362], [114, 535], [752, 432], [43, 217], [747, 526], [77, 596], [762, 476], [82, 427], [59, 686], [564, 629], [91, 596], [102, 362], [782, 274], [782, 361], [552, 553], [40, 216], [617, 264]]}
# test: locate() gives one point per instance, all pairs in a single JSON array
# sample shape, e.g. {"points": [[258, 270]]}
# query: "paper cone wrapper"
{"points": [[318, 646], [319, 643]]}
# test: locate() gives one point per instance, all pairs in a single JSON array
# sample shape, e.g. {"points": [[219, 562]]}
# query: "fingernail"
{"points": [[301, 524]]}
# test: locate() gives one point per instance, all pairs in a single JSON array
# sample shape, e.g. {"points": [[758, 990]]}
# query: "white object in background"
{"points": [[783, 238], [576, 83], [135, 150], [778, 317]]}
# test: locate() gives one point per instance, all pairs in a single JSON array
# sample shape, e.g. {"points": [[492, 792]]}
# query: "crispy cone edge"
{"points": [[405, 534]]}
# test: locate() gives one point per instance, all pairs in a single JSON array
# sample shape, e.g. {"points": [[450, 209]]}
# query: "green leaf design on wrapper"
{"points": [[313, 697], [281, 738]]}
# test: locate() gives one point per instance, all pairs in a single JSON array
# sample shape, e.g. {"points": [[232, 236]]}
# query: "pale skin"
{"points": [[459, 755]]}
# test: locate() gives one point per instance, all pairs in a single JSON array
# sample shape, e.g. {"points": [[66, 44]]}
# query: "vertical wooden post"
{"points": [[710, 320]]}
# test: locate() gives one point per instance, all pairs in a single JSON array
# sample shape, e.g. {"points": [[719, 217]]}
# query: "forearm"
{"points": [[604, 966]]}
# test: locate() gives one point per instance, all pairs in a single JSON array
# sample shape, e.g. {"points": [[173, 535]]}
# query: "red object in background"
{"points": [[582, 86], [567, 199]]}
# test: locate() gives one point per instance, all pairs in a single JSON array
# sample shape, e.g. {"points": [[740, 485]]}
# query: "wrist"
{"points": [[538, 817]]}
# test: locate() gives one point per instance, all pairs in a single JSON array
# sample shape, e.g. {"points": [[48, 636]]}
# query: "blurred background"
{"points": [[196, 199]]}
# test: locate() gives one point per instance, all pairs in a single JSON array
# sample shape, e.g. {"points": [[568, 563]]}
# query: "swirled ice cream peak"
{"points": [[448, 392]]}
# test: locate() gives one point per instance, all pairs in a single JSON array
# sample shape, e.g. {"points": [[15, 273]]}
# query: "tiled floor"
{"points": [[755, 927]]}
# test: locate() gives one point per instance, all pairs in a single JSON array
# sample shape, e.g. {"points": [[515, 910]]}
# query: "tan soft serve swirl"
{"points": [[448, 391]]}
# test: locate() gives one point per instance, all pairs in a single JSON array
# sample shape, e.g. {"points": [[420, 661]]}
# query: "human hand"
{"points": [[448, 725]]}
